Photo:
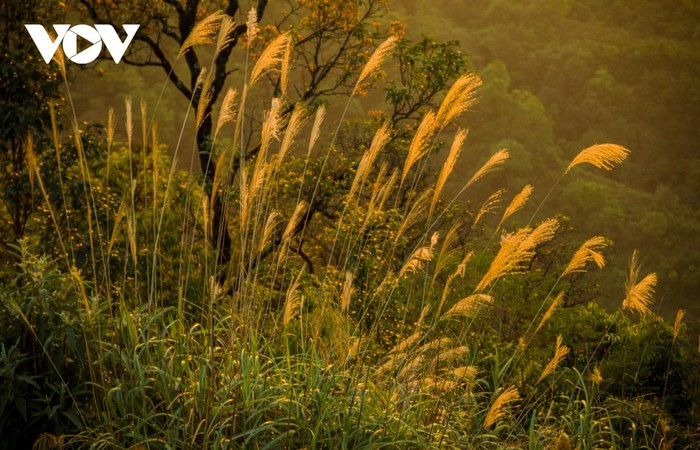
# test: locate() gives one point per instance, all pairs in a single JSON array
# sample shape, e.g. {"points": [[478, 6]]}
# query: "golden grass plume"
{"points": [[293, 302], [296, 122], [252, 27], [448, 252], [500, 405], [468, 306], [420, 145], [418, 257], [556, 303], [111, 126], [560, 351], [492, 164], [269, 227], [517, 249], [375, 61], [588, 252], [316, 129], [129, 120], [489, 205], [516, 204], [271, 56], [348, 290], [603, 156], [460, 97], [272, 124], [204, 32], [638, 295], [413, 215], [453, 155], [227, 112], [677, 323], [381, 137], [225, 36]]}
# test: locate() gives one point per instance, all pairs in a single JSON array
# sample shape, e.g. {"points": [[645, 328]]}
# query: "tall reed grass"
{"points": [[185, 353]]}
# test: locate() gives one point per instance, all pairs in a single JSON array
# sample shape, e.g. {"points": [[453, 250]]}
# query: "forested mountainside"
{"points": [[560, 75]]}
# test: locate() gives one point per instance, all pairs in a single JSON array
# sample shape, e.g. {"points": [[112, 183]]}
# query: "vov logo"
{"points": [[68, 35]]}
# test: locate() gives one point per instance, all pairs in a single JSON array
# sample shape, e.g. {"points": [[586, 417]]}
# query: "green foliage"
{"points": [[43, 350]]}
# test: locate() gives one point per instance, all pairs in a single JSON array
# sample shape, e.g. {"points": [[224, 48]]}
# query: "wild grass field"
{"points": [[315, 285]]}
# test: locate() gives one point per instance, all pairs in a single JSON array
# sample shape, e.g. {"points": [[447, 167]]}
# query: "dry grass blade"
{"points": [[449, 165], [346, 295], [418, 257], [293, 302], [294, 221], [448, 253], [296, 121], [244, 196], [75, 272], [460, 97], [416, 260], [316, 130], [129, 122], [492, 164], [381, 137], [111, 125], [468, 306], [206, 219], [434, 345], [285, 68], [225, 36], [227, 112], [516, 204], [465, 373], [544, 232], [252, 25], [517, 249], [411, 370], [376, 60], [603, 156], [273, 55], [410, 341], [459, 272], [32, 163], [500, 405], [271, 127], [121, 213], [588, 252], [489, 205], [413, 215], [131, 234], [639, 295], [677, 323], [268, 229], [448, 356], [203, 33], [558, 300], [420, 143], [560, 351]]}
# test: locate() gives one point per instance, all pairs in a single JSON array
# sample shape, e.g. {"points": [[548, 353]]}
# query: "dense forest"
{"points": [[353, 224], [562, 75]]}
